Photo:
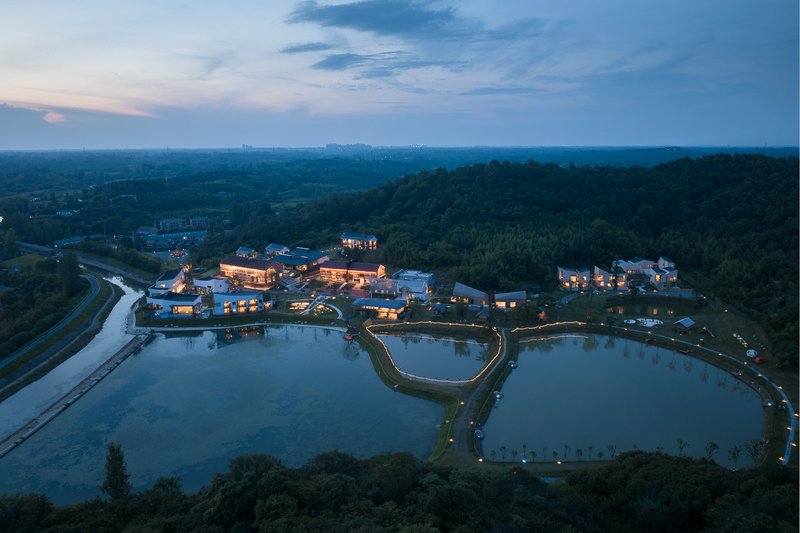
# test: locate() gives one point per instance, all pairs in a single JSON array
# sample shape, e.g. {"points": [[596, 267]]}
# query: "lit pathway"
{"points": [[757, 373]]}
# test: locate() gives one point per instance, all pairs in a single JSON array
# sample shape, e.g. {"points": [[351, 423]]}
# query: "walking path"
{"points": [[63, 402]]}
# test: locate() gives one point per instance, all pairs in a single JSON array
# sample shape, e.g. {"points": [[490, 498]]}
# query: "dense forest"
{"points": [[730, 222], [335, 492], [352, 166], [35, 298]]}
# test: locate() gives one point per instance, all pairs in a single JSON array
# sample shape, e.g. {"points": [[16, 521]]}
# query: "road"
{"points": [[86, 260], [91, 323], [463, 429], [94, 284]]}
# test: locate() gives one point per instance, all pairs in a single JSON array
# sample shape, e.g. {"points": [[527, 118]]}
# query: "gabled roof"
{"points": [[170, 275], [685, 322], [358, 236], [350, 266], [274, 247], [244, 250], [459, 289], [247, 262], [508, 296]]}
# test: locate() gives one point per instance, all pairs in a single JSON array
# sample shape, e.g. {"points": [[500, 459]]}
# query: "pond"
{"points": [[436, 357], [604, 395], [186, 405]]}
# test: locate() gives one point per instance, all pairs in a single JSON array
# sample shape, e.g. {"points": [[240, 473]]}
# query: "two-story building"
{"points": [[417, 290], [466, 294], [358, 241], [172, 280], [237, 303], [510, 300], [174, 304], [301, 259], [273, 249], [249, 272], [573, 279], [350, 271], [246, 251], [664, 275], [209, 284], [172, 224]]}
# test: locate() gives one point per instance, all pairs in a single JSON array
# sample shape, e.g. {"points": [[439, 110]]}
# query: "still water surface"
{"points": [[597, 391], [435, 356], [186, 405]]}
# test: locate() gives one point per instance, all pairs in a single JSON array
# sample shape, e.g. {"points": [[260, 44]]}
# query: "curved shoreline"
{"points": [[767, 389]]}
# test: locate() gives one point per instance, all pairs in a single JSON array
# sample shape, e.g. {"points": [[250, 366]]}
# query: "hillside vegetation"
{"points": [[335, 492], [729, 222]]}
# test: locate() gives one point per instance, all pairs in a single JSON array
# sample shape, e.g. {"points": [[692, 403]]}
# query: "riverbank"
{"points": [[71, 396]]}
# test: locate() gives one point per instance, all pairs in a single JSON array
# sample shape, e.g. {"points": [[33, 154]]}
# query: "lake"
{"points": [[436, 357], [187, 404], [605, 395]]}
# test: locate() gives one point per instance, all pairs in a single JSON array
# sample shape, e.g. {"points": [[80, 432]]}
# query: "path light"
{"points": [[452, 439], [461, 402], [558, 462], [480, 459]]}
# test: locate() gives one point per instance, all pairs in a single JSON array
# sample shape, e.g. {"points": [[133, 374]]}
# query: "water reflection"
{"points": [[436, 357], [186, 405], [563, 398]]}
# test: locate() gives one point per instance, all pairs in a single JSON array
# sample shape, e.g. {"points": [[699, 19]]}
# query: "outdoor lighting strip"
{"points": [[436, 380], [548, 337], [454, 341], [792, 428]]}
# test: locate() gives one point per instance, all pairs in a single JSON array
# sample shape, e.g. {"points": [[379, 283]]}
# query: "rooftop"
{"points": [[247, 262], [358, 236], [170, 275], [377, 302]]}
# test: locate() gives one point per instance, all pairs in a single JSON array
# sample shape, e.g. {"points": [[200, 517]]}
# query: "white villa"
{"points": [[233, 303], [573, 278]]}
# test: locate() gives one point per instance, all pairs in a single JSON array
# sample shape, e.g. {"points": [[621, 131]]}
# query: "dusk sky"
{"points": [[152, 74]]}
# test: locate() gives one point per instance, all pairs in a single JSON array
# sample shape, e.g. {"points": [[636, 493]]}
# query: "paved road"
{"points": [[94, 284], [463, 430], [86, 260]]}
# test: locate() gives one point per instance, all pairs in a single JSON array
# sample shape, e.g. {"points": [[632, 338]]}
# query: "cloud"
{"points": [[484, 91], [382, 17], [305, 47], [54, 118]]}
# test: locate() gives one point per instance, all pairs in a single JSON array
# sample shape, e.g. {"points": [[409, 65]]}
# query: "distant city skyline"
{"points": [[116, 74]]}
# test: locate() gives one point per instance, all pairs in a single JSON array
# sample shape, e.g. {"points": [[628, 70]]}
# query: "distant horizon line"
{"points": [[363, 146]]}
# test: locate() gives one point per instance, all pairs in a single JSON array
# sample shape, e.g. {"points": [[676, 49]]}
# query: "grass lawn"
{"points": [[27, 260]]}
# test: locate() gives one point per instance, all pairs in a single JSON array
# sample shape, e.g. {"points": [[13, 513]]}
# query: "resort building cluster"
{"points": [[622, 275], [245, 279]]}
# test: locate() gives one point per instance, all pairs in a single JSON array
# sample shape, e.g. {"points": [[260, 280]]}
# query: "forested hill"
{"points": [[730, 220], [336, 493]]}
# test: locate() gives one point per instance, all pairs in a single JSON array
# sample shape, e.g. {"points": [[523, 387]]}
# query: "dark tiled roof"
{"points": [[247, 262], [344, 265], [170, 274]]}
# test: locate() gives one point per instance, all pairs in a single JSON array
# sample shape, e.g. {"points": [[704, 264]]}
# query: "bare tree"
{"points": [[733, 455], [711, 449]]}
